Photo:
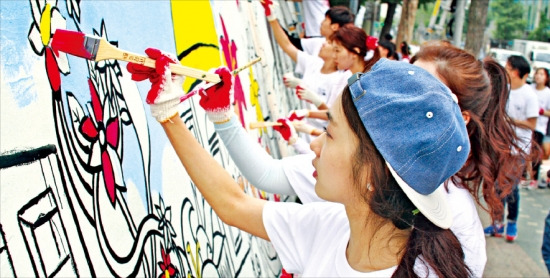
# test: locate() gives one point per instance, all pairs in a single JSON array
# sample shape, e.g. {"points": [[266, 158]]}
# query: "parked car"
{"points": [[501, 55]]}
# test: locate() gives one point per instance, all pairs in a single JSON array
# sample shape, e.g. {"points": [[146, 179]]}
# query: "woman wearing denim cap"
{"points": [[387, 215], [480, 87]]}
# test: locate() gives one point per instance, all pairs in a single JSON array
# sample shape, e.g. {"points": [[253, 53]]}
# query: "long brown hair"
{"points": [[438, 248], [481, 86]]}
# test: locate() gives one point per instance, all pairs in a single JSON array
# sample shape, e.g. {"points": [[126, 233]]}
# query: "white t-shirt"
{"points": [[327, 86], [522, 105], [466, 225], [312, 46], [293, 175], [467, 228], [314, 14], [311, 239], [544, 102]]}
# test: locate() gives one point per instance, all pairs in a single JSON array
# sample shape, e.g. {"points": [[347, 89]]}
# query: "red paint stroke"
{"points": [[230, 53], [92, 132], [52, 70]]}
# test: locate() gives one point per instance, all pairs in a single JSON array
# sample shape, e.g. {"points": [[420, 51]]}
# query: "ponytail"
{"points": [[501, 154], [482, 91], [438, 249]]}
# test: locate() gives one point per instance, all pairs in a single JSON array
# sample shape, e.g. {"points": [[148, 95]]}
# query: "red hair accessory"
{"points": [[372, 42]]}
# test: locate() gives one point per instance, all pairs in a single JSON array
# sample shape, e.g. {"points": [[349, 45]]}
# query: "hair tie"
{"points": [[372, 43]]}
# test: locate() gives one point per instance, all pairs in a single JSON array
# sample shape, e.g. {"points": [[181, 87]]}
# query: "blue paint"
{"points": [[15, 51]]}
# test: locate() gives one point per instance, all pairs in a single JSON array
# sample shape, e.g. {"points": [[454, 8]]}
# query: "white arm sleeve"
{"points": [[256, 165]]}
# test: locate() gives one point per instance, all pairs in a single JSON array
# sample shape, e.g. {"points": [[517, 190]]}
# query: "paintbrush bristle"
{"points": [[75, 43]]}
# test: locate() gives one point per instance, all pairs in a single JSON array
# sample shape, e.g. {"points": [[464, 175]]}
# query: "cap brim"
{"points": [[434, 206]]}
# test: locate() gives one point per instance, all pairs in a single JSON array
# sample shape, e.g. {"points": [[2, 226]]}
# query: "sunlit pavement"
{"points": [[523, 257]]}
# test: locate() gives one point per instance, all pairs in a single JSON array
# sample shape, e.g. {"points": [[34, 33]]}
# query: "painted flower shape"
{"points": [[165, 224], [103, 131], [166, 265], [47, 19]]}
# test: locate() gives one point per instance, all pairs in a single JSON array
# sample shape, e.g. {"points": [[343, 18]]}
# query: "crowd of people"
{"points": [[401, 148]]}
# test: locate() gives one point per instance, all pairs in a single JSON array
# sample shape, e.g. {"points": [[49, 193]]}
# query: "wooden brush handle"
{"points": [[263, 124], [109, 51]]}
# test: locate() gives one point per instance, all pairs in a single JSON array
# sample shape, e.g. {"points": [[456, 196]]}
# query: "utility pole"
{"points": [[459, 22], [537, 15], [354, 6]]}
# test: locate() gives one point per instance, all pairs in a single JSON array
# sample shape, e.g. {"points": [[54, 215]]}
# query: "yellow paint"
{"points": [[254, 101], [194, 259], [194, 23], [45, 24], [166, 274]]}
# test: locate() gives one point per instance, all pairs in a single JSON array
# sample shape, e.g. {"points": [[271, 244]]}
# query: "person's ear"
{"points": [[357, 50], [466, 116], [334, 27]]}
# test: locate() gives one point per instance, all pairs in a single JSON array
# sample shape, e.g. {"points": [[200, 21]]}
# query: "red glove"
{"points": [[541, 111], [268, 8], [286, 130], [216, 100], [298, 115], [166, 89]]}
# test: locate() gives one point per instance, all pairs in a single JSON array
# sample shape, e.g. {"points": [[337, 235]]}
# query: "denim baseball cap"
{"points": [[416, 124]]}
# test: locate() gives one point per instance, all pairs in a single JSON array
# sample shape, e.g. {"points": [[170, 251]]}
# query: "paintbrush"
{"points": [[268, 124], [96, 49], [233, 72]]}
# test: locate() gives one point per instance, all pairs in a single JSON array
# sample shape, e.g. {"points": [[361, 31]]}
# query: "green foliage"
{"points": [[542, 33], [424, 12], [340, 3], [508, 18]]}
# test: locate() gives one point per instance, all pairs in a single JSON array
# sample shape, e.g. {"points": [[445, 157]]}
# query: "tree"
{"points": [[508, 17], [388, 21], [406, 23], [477, 17], [542, 33]]}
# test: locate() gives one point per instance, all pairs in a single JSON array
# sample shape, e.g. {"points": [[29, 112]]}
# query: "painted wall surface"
{"points": [[89, 184]]}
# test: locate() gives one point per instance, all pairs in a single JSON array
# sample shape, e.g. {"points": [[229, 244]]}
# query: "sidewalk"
{"points": [[522, 258]]}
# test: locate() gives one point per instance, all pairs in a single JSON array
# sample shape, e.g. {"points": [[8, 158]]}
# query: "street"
{"points": [[521, 258]]}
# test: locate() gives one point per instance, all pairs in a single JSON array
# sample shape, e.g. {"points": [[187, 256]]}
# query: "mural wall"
{"points": [[89, 184]]}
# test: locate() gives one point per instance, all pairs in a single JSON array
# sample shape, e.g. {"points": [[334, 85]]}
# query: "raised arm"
{"points": [[228, 200], [282, 39], [257, 166], [224, 195]]}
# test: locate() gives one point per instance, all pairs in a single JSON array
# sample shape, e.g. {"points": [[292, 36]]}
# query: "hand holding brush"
{"points": [[97, 49]]}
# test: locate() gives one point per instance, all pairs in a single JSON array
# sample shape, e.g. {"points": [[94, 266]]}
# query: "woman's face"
{"points": [[540, 77], [334, 151], [343, 57], [327, 51]]}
